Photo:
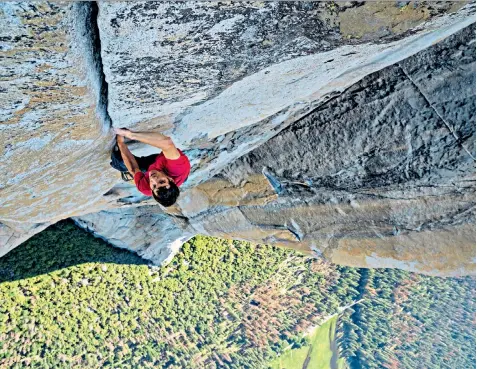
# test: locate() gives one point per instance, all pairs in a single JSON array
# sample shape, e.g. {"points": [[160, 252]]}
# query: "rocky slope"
{"points": [[309, 125]]}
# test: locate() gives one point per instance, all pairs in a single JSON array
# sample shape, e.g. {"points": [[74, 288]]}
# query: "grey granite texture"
{"points": [[223, 78], [411, 123], [13, 234], [398, 145]]}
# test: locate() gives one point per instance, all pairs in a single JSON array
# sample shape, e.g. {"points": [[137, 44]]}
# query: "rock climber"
{"points": [[157, 175]]}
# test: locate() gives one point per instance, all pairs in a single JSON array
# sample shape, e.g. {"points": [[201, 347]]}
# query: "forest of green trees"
{"points": [[410, 321], [69, 300]]}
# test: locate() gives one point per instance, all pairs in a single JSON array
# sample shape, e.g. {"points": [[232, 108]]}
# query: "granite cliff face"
{"points": [[54, 124], [343, 130]]}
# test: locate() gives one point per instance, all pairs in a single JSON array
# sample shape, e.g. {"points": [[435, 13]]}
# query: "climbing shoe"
{"points": [[126, 176]]}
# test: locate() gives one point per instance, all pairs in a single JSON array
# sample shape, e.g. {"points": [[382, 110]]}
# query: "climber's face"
{"points": [[158, 179]]}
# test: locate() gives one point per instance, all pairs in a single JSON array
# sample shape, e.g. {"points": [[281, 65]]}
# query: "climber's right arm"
{"points": [[127, 156], [155, 139]]}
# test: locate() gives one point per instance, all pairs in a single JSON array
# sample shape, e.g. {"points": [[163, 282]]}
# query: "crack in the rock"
{"points": [[380, 196], [103, 98], [449, 127], [272, 227], [88, 13]]}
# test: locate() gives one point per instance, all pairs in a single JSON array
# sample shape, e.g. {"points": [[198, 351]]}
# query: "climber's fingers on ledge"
{"points": [[122, 132]]}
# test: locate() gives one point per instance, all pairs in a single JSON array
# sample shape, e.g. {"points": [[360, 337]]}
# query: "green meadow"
{"points": [[317, 354]]}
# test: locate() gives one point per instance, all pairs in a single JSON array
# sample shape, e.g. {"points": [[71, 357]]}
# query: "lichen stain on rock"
{"points": [[447, 252], [256, 190], [378, 19]]}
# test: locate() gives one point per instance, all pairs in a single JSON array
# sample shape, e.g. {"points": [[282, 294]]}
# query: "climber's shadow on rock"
{"points": [[60, 246]]}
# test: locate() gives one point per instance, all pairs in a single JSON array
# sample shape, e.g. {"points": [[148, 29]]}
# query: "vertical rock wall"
{"points": [[54, 125], [382, 175], [234, 80]]}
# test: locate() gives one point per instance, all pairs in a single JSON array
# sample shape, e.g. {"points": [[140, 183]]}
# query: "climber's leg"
{"points": [[116, 160], [118, 164]]}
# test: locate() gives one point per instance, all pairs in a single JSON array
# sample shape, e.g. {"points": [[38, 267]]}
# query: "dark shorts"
{"points": [[143, 162]]}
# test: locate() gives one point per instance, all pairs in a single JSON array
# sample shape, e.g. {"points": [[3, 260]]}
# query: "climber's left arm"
{"points": [[128, 157]]}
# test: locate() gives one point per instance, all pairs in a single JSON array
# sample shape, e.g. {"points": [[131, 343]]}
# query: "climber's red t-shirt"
{"points": [[177, 169]]}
